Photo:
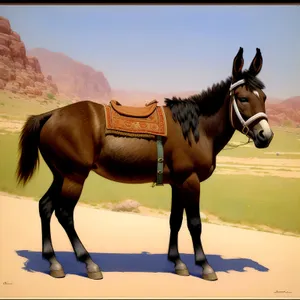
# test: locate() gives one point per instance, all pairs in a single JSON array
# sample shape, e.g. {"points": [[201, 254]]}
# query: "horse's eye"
{"points": [[243, 99]]}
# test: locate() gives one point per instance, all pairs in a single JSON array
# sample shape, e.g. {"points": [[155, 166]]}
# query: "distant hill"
{"points": [[285, 113], [141, 97], [73, 78], [293, 102], [80, 81]]}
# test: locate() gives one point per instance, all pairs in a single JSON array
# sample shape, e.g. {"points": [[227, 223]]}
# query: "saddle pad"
{"points": [[153, 125]]}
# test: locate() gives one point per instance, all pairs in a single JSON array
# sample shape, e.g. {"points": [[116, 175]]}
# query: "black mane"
{"points": [[187, 111]]}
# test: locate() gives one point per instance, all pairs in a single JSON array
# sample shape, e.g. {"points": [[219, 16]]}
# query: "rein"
{"points": [[236, 146]]}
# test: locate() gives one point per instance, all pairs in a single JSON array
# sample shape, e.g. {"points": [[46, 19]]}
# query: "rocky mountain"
{"points": [[285, 113], [293, 102], [20, 73], [73, 78]]}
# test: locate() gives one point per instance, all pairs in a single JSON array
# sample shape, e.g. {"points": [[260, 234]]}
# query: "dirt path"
{"points": [[131, 250]]}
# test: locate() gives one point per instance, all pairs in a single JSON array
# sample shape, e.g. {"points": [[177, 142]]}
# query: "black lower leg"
{"points": [[175, 225], [195, 228], [64, 212], [46, 208], [191, 191]]}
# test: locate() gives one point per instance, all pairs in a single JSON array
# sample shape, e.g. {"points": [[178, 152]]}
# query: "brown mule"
{"points": [[72, 141]]}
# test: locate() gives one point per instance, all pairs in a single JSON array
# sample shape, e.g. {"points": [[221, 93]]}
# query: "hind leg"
{"points": [[46, 208], [64, 211]]}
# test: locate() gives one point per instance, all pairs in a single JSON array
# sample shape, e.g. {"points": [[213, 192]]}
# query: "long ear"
{"points": [[257, 63], [238, 64]]}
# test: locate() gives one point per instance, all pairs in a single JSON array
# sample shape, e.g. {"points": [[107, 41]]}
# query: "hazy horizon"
{"points": [[162, 49]]}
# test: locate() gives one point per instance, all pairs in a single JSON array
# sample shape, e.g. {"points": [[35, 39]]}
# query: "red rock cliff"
{"points": [[73, 78], [20, 73]]}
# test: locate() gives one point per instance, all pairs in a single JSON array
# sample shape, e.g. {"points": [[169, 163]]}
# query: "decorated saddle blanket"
{"points": [[145, 122]]}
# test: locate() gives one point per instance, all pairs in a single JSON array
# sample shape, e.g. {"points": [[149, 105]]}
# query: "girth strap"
{"points": [[160, 161]]}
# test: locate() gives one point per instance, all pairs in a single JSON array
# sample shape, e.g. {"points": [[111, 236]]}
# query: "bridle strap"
{"points": [[231, 111], [236, 84], [233, 106]]}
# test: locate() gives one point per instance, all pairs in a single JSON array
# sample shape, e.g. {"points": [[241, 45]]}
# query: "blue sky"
{"points": [[168, 48]]}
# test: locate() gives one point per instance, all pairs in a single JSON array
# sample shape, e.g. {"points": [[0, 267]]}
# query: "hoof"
{"points": [[181, 269], [182, 272], [57, 273], [210, 276], [95, 275]]}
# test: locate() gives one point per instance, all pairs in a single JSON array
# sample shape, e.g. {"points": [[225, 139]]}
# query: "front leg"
{"points": [[175, 224], [190, 192]]}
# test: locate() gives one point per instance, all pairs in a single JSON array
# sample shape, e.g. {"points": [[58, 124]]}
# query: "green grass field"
{"points": [[285, 140], [18, 108], [271, 201]]}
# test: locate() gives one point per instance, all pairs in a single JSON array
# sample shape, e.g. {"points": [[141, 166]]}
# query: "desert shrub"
{"points": [[50, 96]]}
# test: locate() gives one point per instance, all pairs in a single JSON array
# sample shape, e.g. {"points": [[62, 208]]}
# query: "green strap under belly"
{"points": [[160, 161]]}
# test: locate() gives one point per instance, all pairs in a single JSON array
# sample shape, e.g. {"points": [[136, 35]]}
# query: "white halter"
{"points": [[245, 124]]}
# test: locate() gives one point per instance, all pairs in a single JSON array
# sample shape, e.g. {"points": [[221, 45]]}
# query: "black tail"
{"points": [[28, 146]]}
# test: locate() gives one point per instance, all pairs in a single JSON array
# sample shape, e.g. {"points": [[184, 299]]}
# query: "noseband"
{"points": [[234, 107]]}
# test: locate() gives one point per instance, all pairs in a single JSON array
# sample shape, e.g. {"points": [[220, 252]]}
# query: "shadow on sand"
{"points": [[127, 262]]}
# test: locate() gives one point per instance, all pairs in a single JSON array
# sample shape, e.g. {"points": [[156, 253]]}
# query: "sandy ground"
{"points": [[131, 251]]}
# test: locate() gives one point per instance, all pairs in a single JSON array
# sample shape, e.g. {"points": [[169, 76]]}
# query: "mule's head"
{"points": [[247, 101]]}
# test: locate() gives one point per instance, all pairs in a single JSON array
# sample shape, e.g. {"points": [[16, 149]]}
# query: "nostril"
{"points": [[261, 134]]}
